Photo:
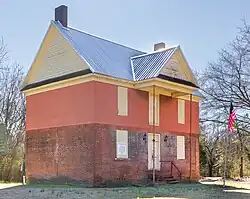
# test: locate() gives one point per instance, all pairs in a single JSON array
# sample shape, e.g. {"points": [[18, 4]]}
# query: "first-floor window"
{"points": [[180, 147], [121, 144]]}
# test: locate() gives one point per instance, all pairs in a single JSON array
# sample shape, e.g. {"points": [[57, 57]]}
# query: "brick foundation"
{"points": [[87, 153]]}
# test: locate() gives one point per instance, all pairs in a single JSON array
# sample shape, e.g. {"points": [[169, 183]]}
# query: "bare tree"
{"points": [[213, 134], [226, 80], [12, 108], [3, 52]]}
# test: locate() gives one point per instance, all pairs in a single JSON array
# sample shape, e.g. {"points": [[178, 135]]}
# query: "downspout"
{"points": [[94, 148], [153, 134], [190, 137]]}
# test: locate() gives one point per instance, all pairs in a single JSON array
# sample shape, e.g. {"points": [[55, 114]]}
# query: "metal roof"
{"points": [[149, 65], [102, 56], [115, 60]]}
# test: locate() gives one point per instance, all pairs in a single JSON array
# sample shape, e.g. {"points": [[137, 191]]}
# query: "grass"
{"points": [[180, 190], [49, 186], [232, 184]]}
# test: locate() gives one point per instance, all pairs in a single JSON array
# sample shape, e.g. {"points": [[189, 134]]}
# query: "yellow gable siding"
{"points": [[174, 69], [178, 67], [55, 58]]}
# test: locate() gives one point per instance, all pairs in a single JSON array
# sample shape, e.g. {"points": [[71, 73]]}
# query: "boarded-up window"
{"points": [[157, 109], [122, 101], [180, 147], [181, 111], [121, 144]]}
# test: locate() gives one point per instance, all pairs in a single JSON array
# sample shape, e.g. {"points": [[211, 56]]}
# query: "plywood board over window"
{"points": [[157, 109], [180, 147], [181, 111], [121, 144], [122, 101]]}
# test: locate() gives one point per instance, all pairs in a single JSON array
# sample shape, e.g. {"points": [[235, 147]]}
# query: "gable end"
{"points": [[56, 60], [177, 69]]}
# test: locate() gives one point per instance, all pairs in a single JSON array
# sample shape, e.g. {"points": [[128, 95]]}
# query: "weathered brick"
{"points": [[87, 153]]}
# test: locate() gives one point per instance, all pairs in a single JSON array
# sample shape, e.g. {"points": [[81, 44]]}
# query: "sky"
{"points": [[201, 28]]}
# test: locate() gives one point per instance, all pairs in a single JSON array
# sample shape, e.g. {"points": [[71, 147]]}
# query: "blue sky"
{"points": [[200, 27]]}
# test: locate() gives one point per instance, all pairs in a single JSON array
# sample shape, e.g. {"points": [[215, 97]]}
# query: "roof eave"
{"points": [[56, 79], [176, 80]]}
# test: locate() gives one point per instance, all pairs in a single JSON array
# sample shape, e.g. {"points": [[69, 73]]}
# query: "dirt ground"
{"points": [[206, 190]]}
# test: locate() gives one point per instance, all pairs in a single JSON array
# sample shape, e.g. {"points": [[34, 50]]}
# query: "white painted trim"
{"points": [[132, 68]]}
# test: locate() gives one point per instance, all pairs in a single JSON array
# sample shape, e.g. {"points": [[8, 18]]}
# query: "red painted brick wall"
{"points": [[96, 102], [61, 107], [106, 107], [138, 110], [70, 132], [87, 153], [169, 116]]}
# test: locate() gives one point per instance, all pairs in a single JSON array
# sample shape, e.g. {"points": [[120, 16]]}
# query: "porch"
{"points": [[181, 89], [163, 176]]}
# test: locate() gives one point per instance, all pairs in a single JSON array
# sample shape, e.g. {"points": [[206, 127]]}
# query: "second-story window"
{"points": [[157, 109], [181, 111], [122, 101]]}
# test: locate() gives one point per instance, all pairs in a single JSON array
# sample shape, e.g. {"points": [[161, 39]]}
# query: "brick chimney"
{"points": [[61, 15], [159, 46]]}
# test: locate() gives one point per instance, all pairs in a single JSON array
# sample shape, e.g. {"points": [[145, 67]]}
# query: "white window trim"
{"points": [[157, 109], [122, 142], [181, 111], [181, 147], [122, 101]]}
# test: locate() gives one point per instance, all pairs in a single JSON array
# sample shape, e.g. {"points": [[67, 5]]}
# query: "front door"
{"points": [[157, 151]]}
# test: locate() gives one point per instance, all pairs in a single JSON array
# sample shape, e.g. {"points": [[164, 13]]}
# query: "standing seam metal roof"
{"points": [[112, 59], [115, 60], [149, 65], [103, 56]]}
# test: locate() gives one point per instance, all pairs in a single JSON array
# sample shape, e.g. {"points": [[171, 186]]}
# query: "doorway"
{"points": [[157, 152]]}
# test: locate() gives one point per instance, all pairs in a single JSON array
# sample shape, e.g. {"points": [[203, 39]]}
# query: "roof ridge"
{"points": [[154, 52], [101, 38]]}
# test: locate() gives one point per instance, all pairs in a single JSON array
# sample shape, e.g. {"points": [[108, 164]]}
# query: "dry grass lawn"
{"points": [[175, 191]]}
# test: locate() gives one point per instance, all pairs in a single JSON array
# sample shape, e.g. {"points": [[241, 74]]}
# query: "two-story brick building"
{"points": [[94, 107]]}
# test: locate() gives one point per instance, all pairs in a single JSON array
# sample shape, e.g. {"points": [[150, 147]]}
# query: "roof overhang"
{"points": [[162, 86], [56, 79], [165, 87]]}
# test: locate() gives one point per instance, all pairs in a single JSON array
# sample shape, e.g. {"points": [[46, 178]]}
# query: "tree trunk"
{"points": [[210, 170], [241, 166]]}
